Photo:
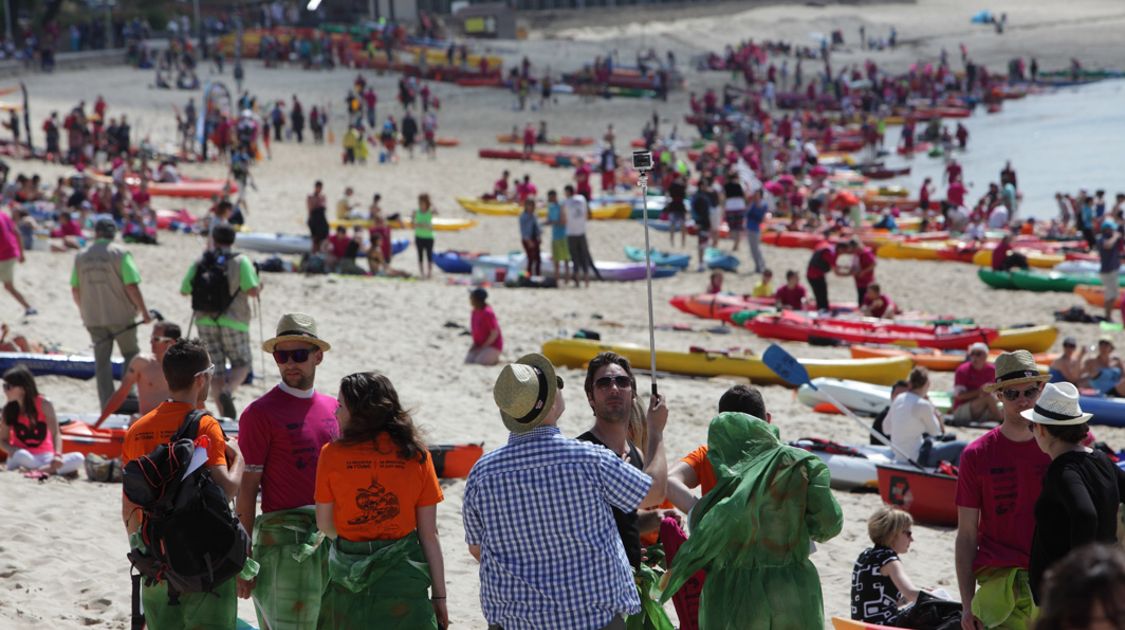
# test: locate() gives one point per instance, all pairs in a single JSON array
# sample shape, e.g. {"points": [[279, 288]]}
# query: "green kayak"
{"points": [[1040, 281], [996, 279]]}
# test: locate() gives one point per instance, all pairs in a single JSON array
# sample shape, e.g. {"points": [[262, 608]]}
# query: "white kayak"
{"points": [[273, 243], [1081, 267], [862, 398], [851, 472]]}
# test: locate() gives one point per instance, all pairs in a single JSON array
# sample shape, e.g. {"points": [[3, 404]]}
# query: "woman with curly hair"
{"points": [[376, 496]]}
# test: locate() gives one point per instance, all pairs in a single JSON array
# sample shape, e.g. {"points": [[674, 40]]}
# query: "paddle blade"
{"points": [[784, 365]]}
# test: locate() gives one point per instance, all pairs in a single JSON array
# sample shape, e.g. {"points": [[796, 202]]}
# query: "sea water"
{"points": [[1058, 141]]}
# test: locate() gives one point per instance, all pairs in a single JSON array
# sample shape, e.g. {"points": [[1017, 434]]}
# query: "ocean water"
{"points": [[1058, 141]]}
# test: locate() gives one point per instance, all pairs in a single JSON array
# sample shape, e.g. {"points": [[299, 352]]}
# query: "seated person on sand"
{"points": [[971, 404], [29, 430], [764, 288], [1104, 369], [879, 581], [792, 295], [19, 343], [876, 304], [70, 233], [487, 340], [716, 284], [1068, 367], [915, 428], [145, 372]]}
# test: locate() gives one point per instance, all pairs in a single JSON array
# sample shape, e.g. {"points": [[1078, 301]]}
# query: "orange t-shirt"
{"points": [[374, 491], [698, 461], [159, 425]]}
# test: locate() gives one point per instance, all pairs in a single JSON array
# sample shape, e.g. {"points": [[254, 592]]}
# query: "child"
{"points": [[875, 304], [792, 295], [879, 582], [716, 285], [765, 287], [487, 340]]}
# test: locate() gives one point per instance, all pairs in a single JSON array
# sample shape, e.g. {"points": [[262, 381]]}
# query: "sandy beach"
{"points": [[62, 563]]}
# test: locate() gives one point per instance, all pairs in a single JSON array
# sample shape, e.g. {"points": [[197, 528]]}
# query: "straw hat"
{"points": [[296, 327], [1057, 406], [525, 392], [1016, 368]]}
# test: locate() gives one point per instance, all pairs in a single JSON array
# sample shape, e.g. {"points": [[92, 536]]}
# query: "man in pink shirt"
{"points": [[280, 435], [971, 403], [11, 252], [1000, 477], [487, 340], [955, 194]]}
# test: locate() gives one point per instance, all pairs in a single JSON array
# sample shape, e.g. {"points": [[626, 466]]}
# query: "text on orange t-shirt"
{"points": [[159, 425], [374, 491]]}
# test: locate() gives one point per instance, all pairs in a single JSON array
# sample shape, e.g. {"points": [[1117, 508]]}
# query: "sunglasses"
{"points": [[559, 382], [299, 356], [207, 371], [622, 382], [1012, 395]]}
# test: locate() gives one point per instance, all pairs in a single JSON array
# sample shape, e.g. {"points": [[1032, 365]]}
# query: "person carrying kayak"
{"points": [[822, 261]]}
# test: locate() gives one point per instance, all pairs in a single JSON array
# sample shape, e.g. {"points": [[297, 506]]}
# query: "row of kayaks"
{"points": [[514, 264], [280, 243]]}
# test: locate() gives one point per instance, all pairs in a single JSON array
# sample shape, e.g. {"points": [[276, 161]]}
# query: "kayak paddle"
{"points": [[791, 371]]}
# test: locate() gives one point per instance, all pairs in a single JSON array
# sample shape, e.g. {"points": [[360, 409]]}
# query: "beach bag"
{"points": [[929, 613], [103, 469], [210, 288], [190, 539]]}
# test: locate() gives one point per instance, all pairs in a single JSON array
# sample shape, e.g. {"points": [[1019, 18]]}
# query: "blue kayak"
{"points": [[716, 259], [1107, 411], [659, 258], [454, 262], [71, 365]]}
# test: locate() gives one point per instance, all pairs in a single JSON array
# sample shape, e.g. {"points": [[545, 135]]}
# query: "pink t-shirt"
{"points": [[339, 244], [35, 437], [967, 379], [791, 297], [866, 258], [9, 238], [955, 195], [1002, 479], [999, 254], [483, 323], [282, 435]]}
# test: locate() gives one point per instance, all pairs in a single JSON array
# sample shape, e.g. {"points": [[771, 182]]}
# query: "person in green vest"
{"points": [[424, 235], [752, 531]]}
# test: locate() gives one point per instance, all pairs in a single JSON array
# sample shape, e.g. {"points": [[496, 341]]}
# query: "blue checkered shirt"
{"points": [[551, 557]]}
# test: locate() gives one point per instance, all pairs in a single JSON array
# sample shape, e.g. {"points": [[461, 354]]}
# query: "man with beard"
{"points": [[281, 435]]}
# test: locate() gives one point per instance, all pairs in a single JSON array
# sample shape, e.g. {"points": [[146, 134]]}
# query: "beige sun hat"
{"points": [[1057, 406], [1016, 368], [525, 392], [296, 327]]}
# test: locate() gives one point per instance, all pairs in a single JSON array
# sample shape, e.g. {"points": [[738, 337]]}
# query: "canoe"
{"points": [[576, 353], [936, 360], [930, 497], [862, 398], [1034, 339], [1095, 295], [795, 327], [659, 258], [1107, 411], [278, 243], [441, 224], [69, 365], [1041, 260], [854, 467]]}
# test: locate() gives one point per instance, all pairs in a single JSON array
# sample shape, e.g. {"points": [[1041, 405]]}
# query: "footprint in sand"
{"points": [[98, 605]]}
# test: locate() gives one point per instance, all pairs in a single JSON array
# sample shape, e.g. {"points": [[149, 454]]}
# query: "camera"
{"points": [[642, 160]]}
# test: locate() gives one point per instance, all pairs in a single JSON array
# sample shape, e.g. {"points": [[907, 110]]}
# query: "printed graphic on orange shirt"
{"points": [[376, 504]]}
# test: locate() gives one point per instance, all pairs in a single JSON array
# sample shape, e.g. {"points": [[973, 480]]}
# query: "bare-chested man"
{"points": [[1068, 367], [146, 373]]}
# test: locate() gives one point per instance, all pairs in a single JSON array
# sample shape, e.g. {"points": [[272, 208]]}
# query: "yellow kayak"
{"points": [[441, 224], [576, 353], [920, 250], [512, 209], [1034, 339], [983, 258]]}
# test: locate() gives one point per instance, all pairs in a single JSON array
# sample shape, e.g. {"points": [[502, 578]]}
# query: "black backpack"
{"points": [[210, 288], [192, 540]]}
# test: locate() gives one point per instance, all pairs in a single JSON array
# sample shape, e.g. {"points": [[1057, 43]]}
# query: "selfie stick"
{"points": [[642, 179]]}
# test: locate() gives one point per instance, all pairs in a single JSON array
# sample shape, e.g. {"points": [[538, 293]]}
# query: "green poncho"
{"points": [[751, 532]]}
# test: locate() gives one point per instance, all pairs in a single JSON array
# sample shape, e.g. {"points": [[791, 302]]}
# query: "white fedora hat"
{"points": [[1057, 406]]}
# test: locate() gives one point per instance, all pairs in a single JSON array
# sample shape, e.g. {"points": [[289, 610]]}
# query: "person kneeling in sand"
{"points": [[146, 373], [487, 340], [879, 581]]}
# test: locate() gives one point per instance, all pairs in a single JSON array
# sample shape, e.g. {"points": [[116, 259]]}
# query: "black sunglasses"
{"points": [[621, 381], [299, 356], [1012, 395]]}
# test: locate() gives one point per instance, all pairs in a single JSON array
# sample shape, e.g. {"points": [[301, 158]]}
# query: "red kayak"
{"points": [[795, 327], [930, 497], [724, 305]]}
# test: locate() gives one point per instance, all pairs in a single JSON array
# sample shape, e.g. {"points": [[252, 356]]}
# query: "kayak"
{"points": [[70, 365], [1095, 295], [1038, 280], [451, 261], [936, 360], [929, 496], [512, 209], [609, 270], [278, 243], [1034, 339], [174, 219], [851, 466], [192, 189], [1108, 411], [717, 259], [839, 623], [725, 306], [795, 327], [562, 141], [441, 224], [576, 353], [860, 397], [454, 461], [659, 258], [996, 279], [983, 258]]}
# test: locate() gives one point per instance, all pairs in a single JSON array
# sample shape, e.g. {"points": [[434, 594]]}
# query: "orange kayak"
{"points": [[1095, 295], [452, 461], [931, 358]]}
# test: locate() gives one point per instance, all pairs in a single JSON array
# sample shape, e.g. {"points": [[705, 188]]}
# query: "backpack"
{"points": [[192, 540], [210, 288]]}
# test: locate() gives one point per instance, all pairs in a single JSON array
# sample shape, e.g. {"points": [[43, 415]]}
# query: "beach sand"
{"points": [[62, 562]]}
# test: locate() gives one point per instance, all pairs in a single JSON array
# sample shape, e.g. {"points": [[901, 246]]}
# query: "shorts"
{"points": [[226, 344], [1109, 281], [560, 251], [676, 221], [735, 220], [8, 270]]}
